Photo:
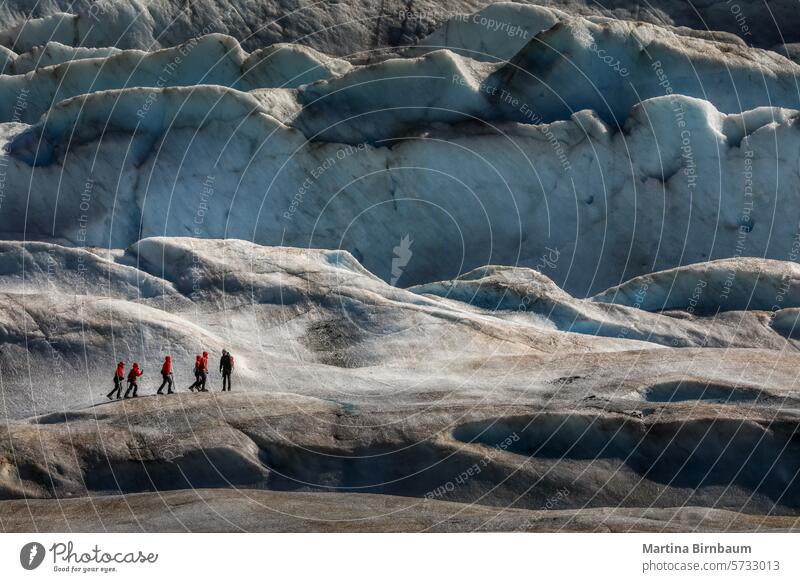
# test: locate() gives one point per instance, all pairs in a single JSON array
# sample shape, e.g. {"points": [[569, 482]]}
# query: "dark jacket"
{"points": [[226, 363], [134, 373]]}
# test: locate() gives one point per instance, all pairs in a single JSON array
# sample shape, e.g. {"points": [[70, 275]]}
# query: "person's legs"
{"points": [[117, 389], [164, 380], [203, 377], [169, 384], [135, 389], [130, 387], [225, 380]]}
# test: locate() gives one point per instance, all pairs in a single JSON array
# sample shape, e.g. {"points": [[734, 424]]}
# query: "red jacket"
{"points": [[134, 373], [205, 361], [120, 371], [166, 369]]}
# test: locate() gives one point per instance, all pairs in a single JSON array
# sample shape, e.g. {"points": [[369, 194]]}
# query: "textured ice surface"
{"points": [[642, 167], [497, 32], [347, 26], [568, 228], [55, 73], [211, 161], [345, 383], [292, 316]]}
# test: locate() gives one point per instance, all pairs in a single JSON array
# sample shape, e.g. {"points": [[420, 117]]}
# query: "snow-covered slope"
{"points": [[294, 316], [724, 285], [288, 314], [694, 312], [344, 383]]}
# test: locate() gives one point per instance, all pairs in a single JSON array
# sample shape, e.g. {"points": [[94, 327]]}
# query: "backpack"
{"points": [[227, 362]]}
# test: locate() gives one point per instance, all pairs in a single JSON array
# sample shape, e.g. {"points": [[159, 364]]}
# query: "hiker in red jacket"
{"points": [[198, 366], [133, 375], [225, 368], [119, 377], [166, 375], [204, 372]]}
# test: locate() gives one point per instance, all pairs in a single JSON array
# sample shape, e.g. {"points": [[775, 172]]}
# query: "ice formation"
{"points": [[211, 161], [347, 27], [287, 146], [426, 230], [307, 310], [209, 60]]}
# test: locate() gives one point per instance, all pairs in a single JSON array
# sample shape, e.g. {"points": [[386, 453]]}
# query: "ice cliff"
{"points": [[619, 147], [423, 229], [347, 26]]}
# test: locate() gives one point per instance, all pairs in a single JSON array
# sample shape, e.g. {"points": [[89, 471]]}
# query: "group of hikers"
{"points": [[200, 375]]}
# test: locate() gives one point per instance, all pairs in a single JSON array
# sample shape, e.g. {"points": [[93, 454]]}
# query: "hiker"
{"points": [[166, 375], [203, 372], [225, 368], [133, 375], [119, 378], [198, 365]]}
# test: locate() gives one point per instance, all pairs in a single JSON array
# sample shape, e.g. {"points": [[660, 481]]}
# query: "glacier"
{"points": [[209, 60], [306, 311], [331, 156], [211, 161], [349, 26], [557, 240], [371, 389]]}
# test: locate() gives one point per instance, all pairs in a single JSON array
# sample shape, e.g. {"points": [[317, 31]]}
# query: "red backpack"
{"points": [[134, 373]]}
